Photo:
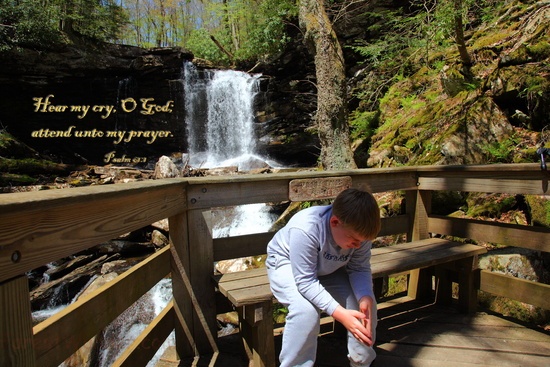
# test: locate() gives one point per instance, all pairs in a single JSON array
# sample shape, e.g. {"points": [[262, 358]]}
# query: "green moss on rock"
{"points": [[540, 210]]}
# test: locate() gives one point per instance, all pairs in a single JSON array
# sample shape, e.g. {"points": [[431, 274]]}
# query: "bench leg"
{"points": [[444, 285], [420, 284], [467, 287], [379, 285], [256, 323]]}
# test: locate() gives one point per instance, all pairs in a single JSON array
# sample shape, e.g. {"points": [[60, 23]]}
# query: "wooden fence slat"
{"points": [[16, 339], [384, 181], [241, 246], [394, 225], [68, 221], [467, 184], [55, 338], [533, 293], [534, 238], [249, 189], [215, 194]]}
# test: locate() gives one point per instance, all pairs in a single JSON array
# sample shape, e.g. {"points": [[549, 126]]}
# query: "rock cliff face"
{"points": [[67, 103], [124, 105]]}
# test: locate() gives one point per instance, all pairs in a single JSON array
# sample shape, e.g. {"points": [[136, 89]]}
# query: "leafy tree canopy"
{"points": [[23, 23]]}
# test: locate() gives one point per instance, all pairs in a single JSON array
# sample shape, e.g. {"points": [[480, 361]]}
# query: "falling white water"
{"points": [[129, 325], [241, 220], [219, 107], [220, 117]]}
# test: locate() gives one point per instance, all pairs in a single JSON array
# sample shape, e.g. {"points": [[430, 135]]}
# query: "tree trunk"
{"points": [[331, 116], [459, 34]]}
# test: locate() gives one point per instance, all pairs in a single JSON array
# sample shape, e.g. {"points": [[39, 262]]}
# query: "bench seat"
{"points": [[252, 286], [249, 290]]}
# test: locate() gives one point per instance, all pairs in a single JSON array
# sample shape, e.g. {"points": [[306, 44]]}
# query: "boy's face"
{"points": [[345, 237]]}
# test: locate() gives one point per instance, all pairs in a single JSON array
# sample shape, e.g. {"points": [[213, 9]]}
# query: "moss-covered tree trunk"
{"points": [[459, 33], [331, 116]]}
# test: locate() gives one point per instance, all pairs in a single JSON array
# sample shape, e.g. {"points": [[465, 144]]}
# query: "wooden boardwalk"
{"points": [[414, 335], [411, 334]]}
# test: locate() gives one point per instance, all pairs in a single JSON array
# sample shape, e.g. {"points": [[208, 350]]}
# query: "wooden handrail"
{"points": [[44, 226], [40, 227]]}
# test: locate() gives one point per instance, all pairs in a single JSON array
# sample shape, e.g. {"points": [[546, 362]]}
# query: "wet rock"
{"points": [[63, 290], [166, 168], [125, 248], [63, 269], [117, 266], [162, 225], [159, 239], [234, 265], [518, 262]]}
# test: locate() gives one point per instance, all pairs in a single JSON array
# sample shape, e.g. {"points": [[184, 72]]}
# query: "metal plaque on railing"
{"points": [[317, 188]]}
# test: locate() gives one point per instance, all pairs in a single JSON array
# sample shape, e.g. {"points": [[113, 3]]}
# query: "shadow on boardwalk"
{"points": [[419, 335]]}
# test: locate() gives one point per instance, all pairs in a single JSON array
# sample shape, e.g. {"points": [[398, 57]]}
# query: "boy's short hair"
{"points": [[359, 210]]}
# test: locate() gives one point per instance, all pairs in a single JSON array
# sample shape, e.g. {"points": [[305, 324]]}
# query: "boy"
{"points": [[320, 261]]}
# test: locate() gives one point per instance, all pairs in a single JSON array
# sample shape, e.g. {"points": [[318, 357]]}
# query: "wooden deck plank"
{"points": [[415, 351], [449, 339], [416, 355], [437, 326]]}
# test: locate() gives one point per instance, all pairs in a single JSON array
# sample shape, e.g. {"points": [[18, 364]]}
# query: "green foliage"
{"points": [[279, 313], [540, 50], [202, 46], [535, 85], [540, 210], [394, 37], [501, 151], [363, 124], [24, 24], [489, 205], [29, 166], [103, 23], [11, 179], [396, 285], [252, 30]]}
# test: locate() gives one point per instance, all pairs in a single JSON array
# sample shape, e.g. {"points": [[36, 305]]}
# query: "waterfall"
{"points": [[220, 117], [241, 220]]}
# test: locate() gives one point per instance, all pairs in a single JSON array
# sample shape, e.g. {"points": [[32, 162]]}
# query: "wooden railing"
{"points": [[40, 227]]}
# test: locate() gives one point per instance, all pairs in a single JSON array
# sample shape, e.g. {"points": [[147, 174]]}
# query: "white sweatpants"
{"points": [[302, 322]]}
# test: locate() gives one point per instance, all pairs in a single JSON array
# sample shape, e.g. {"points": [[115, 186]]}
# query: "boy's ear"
{"points": [[334, 221]]}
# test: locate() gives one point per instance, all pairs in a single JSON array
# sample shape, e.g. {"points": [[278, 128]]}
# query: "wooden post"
{"points": [[467, 287], [418, 206], [201, 269], [256, 323], [183, 307], [16, 336]]}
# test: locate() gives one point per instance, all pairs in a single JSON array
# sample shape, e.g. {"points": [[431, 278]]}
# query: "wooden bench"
{"points": [[250, 294]]}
